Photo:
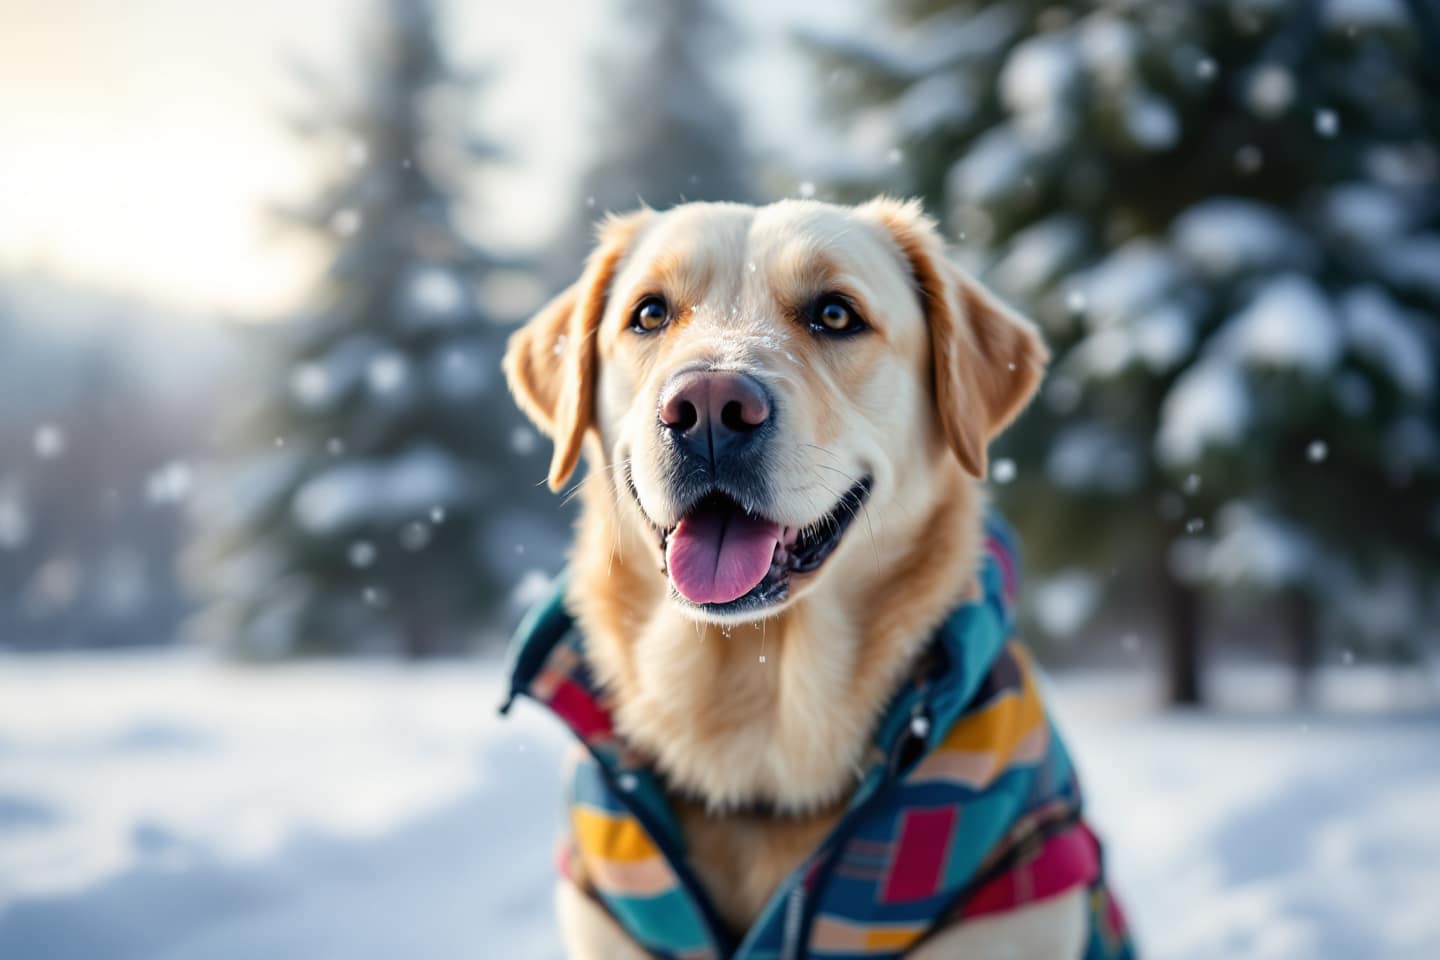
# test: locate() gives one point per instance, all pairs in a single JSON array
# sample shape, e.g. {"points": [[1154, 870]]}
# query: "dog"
{"points": [[785, 411]]}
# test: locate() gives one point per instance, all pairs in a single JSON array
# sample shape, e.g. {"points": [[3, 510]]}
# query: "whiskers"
{"points": [[845, 496]]}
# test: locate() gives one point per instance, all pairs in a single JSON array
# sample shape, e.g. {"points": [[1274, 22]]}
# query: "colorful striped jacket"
{"points": [[969, 806]]}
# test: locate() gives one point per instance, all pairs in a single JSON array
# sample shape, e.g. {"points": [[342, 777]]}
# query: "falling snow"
{"points": [[346, 223], [49, 441], [362, 554]]}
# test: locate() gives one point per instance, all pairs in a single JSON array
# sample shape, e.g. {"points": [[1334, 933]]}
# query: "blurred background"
{"points": [[267, 514]]}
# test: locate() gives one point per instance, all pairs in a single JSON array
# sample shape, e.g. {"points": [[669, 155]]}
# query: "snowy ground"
{"points": [[163, 808]]}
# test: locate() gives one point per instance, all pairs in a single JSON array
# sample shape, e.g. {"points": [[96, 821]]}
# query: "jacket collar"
{"points": [[548, 665]]}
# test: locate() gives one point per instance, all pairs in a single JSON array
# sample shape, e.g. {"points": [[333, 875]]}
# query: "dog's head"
{"points": [[755, 378]]}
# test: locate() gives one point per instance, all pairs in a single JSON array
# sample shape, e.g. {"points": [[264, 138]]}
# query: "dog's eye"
{"points": [[833, 313], [650, 315]]}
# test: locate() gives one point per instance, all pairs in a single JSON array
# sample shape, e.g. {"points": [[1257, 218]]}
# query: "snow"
{"points": [[310, 383], [946, 39], [1226, 235], [994, 165], [1414, 263], [170, 483], [1288, 325], [1364, 213], [1381, 331], [1036, 83], [1064, 602], [346, 223], [1039, 72], [1151, 121], [1344, 14], [387, 372], [1253, 546], [361, 493], [1163, 337], [168, 808], [1128, 281], [1208, 404], [436, 295], [1108, 46], [1159, 339], [49, 441], [1038, 254], [1270, 90], [934, 103]]}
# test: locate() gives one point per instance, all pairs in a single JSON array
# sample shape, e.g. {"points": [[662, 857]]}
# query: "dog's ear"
{"points": [[987, 360], [550, 362]]}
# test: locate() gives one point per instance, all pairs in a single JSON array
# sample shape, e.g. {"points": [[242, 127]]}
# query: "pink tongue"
{"points": [[717, 555]]}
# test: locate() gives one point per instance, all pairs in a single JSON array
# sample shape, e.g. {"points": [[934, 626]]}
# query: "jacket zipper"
{"points": [[797, 916], [794, 914]]}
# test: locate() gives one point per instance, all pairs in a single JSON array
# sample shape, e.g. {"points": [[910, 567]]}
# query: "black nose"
{"points": [[713, 413]]}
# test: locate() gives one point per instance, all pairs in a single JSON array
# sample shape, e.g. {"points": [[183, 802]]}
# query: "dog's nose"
{"points": [[713, 412]]}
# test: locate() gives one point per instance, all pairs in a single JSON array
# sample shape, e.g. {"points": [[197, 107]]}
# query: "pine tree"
{"points": [[1226, 216], [363, 508], [665, 131]]}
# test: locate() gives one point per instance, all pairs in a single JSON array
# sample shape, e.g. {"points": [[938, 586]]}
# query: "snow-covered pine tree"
{"points": [[664, 130], [1226, 215], [361, 511]]}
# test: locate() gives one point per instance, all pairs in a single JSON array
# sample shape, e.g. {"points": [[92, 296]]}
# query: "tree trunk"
{"points": [[1180, 609], [418, 632], [1302, 625]]}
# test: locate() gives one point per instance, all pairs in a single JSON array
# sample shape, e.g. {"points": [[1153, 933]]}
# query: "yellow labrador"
{"points": [[785, 411]]}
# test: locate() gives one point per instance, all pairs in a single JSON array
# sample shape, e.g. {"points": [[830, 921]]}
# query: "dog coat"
{"points": [[968, 805]]}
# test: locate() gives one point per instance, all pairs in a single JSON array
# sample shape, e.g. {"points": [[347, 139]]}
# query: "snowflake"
{"points": [[169, 484], [50, 441], [311, 384], [436, 291], [346, 222], [362, 553], [1271, 90], [523, 441], [386, 372]]}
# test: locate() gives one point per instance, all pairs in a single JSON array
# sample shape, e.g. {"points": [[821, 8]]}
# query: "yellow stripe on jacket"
{"points": [[1011, 730]]}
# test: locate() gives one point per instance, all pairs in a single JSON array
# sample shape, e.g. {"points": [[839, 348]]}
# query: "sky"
{"points": [[140, 141]]}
